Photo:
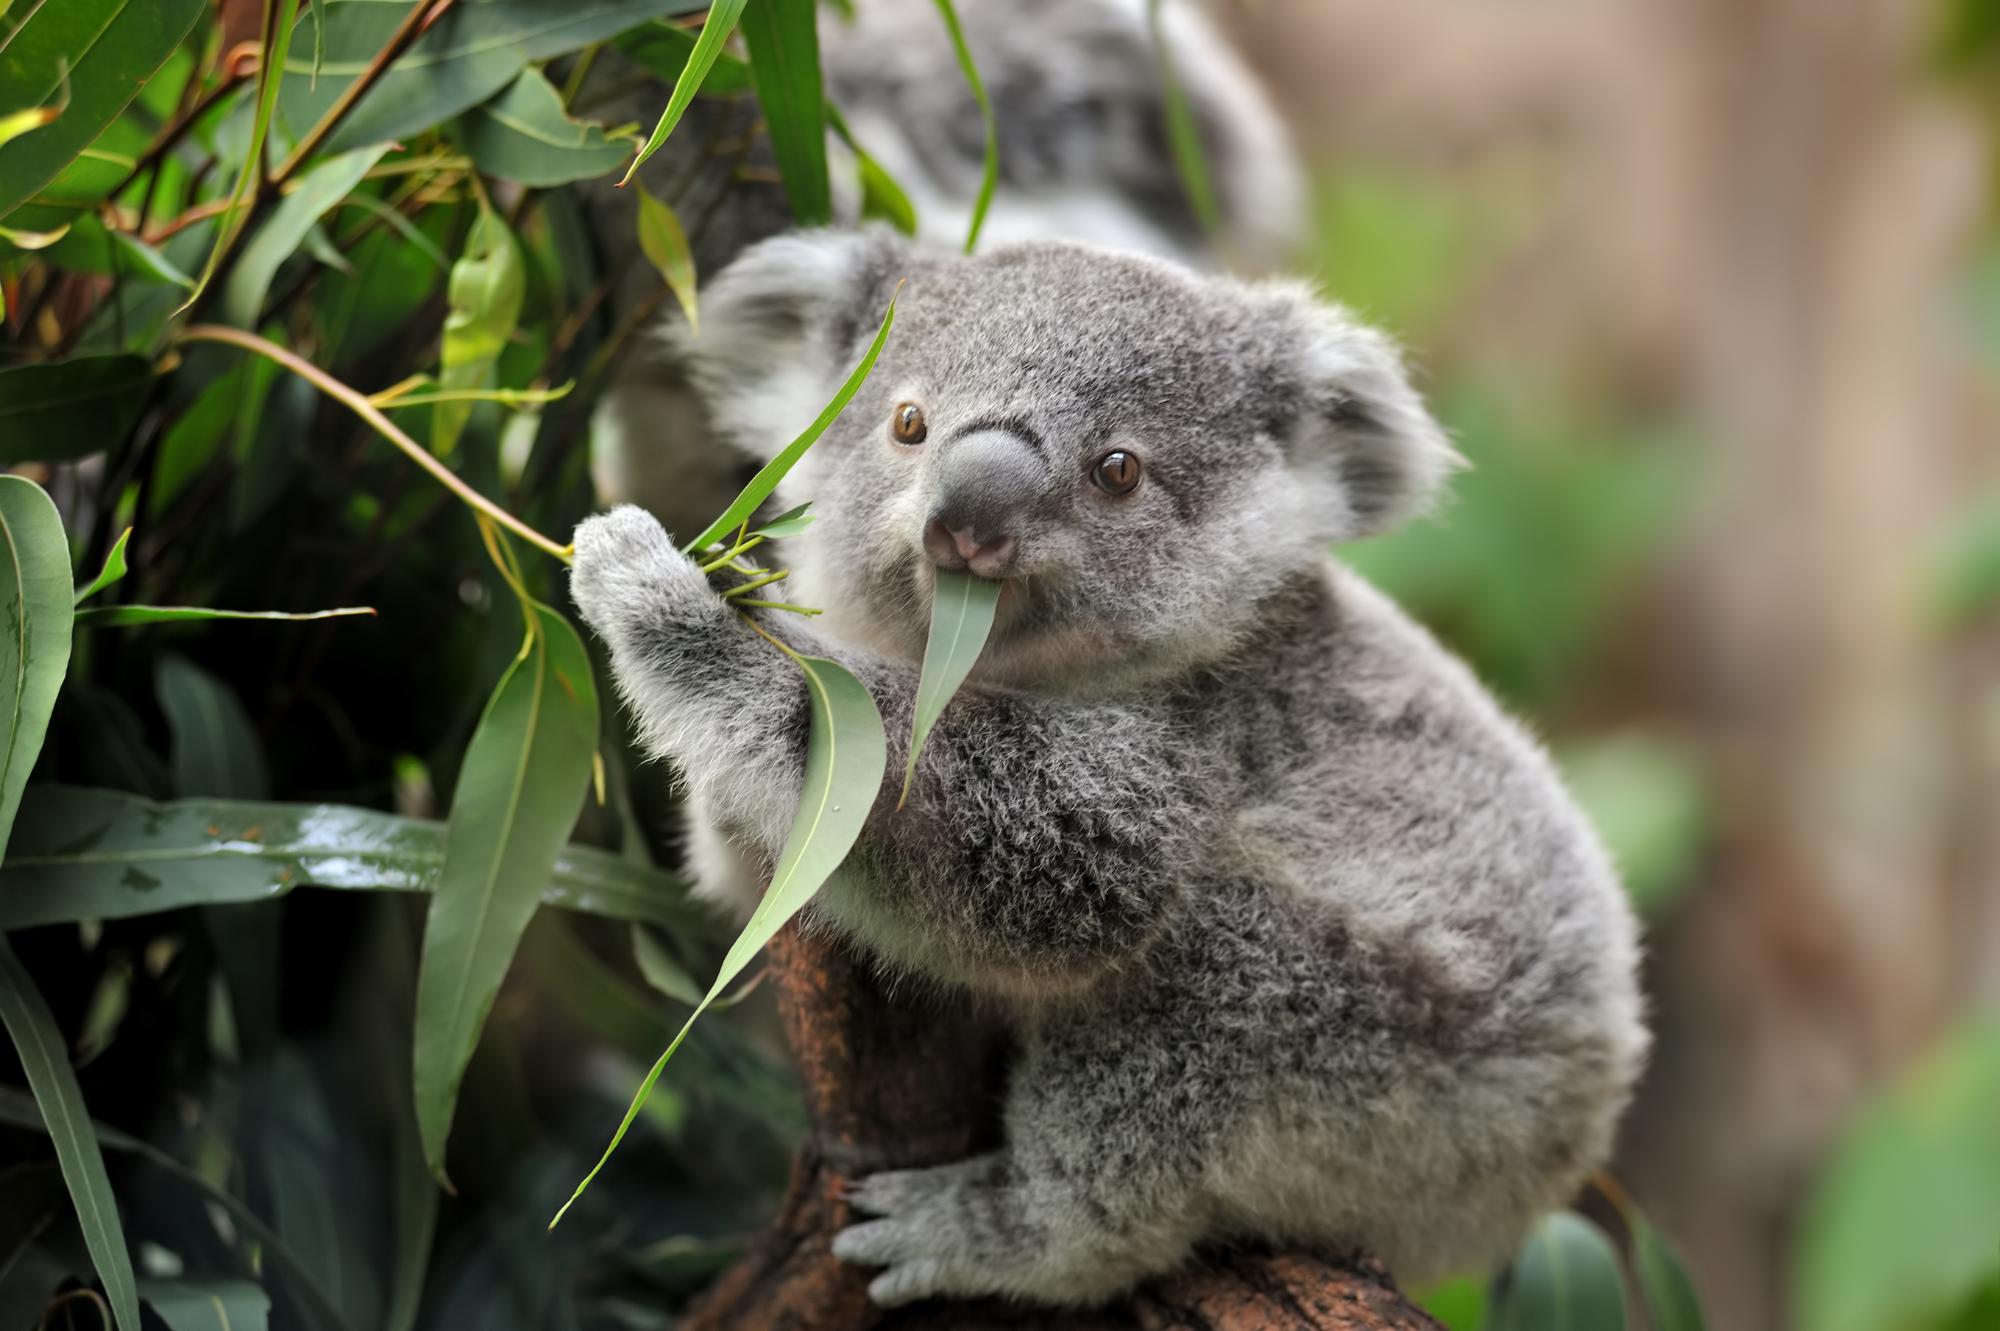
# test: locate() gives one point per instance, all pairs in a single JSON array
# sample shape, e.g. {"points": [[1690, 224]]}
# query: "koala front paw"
{"points": [[976, 1228], [627, 573]]}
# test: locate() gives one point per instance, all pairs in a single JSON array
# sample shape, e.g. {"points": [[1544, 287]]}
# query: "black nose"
{"points": [[957, 548]]}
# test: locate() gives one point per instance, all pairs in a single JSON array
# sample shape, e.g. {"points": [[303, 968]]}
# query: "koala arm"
{"points": [[1042, 836]]}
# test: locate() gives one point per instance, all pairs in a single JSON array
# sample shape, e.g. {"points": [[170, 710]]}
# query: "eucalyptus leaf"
{"points": [[881, 196], [45, 1060], [36, 607], [722, 17], [789, 523], [962, 612], [522, 134], [88, 57], [989, 174], [488, 284], [1183, 134], [522, 783], [665, 245], [766, 480], [208, 1305], [473, 50], [783, 42], [126, 616], [845, 757], [214, 745], [665, 50], [1665, 1289], [1565, 1278], [83, 854], [285, 230], [113, 570], [57, 411], [1904, 1222]]}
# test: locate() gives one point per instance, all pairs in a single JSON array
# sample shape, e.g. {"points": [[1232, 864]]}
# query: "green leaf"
{"points": [[845, 757], [789, 523], [784, 67], [1565, 1278], [20, 1111], [522, 134], [88, 246], [84, 854], [488, 284], [208, 1305], [766, 480], [1459, 1303], [285, 230], [881, 196], [1183, 134], [722, 17], [661, 969], [36, 606], [518, 794], [214, 746], [126, 616], [280, 16], [113, 570], [962, 610], [990, 174], [665, 246], [1905, 1221], [473, 51], [57, 411], [1665, 1288], [46, 1061], [665, 50], [104, 50]]}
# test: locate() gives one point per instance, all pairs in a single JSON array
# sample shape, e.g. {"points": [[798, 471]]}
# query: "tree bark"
{"points": [[892, 1085]]}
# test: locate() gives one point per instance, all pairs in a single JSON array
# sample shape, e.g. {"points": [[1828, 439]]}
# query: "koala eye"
{"points": [[906, 424], [1116, 473]]}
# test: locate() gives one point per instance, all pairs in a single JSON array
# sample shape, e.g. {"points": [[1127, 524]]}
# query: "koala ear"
{"points": [[782, 325], [1363, 425]]}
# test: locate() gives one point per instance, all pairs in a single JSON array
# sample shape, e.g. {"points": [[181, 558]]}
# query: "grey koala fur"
{"points": [[1301, 937]]}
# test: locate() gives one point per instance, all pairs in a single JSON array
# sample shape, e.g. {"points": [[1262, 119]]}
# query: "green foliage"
{"points": [[1903, 1230], [989, 175], [962, 613], [784, 68], [37, 603], [1565, 1279]]}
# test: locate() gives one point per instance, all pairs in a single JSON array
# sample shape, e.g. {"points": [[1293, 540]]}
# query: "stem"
{"points": [[725, 559], [357, 402], [420, 17], [751, 586], [779, 605]]}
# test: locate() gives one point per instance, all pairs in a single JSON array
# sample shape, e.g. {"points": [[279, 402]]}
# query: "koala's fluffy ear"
{"points": [[782, 325], [1362, 425]]}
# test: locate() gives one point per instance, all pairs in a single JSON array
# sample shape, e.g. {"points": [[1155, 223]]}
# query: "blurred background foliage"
{"points": [[1708, 294]]}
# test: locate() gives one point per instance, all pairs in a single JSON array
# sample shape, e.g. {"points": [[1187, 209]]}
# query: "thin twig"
{"points": [[420, 17], [357, 402]]}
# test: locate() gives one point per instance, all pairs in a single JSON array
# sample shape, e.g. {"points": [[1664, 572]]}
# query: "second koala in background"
{"points": [[1080, 103]]}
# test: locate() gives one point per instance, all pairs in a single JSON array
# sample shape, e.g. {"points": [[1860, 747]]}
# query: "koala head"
{"points": [[1143, 455]]}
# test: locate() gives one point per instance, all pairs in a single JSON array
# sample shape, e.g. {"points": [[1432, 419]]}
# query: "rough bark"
{"points": [[894, 1085]]}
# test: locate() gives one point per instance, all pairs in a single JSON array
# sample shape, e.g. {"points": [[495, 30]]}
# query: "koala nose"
{"points": [[956, 548], [988, 485]]}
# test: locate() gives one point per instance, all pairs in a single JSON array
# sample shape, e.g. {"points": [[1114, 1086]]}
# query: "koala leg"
{"points": [[1097, 1189]]}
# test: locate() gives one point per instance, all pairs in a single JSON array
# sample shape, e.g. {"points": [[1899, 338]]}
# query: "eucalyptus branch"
{"points": [[357, 402], [420, 17]]}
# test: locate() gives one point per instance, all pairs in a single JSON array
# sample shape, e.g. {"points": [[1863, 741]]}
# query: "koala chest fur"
{"points": [[1305, 939]]}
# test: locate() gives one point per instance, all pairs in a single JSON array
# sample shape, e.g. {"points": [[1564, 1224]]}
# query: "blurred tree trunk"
{"points": [[891, 1085]]}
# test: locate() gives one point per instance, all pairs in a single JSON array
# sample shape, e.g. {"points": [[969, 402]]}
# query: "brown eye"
{"points": [[1117, 472], [906, 423]]}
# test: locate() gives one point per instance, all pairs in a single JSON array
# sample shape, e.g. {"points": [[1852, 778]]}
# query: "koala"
{"points": [[1299, 937]]}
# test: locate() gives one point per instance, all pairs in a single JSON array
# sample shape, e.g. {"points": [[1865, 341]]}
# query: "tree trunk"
{"points": [[895, 1086]]}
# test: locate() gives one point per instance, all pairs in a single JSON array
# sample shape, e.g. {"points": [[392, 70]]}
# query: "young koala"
{"points": [[1302, 938]]}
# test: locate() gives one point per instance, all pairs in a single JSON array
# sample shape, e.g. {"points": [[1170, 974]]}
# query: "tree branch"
{"points": [[892, 1086]]}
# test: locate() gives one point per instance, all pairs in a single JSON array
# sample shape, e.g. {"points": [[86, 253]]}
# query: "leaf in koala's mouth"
{"points": [[962, 613]]}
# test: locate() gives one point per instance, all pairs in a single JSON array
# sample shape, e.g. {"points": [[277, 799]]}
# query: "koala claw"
{"points": [[923, 1237]]}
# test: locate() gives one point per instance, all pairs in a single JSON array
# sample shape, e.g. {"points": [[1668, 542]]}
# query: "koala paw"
{"points": [[627, 571], [926, 1236]]}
